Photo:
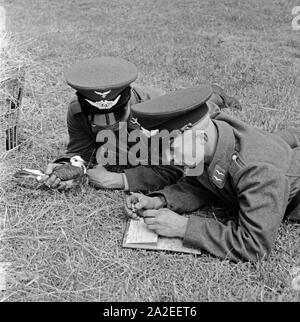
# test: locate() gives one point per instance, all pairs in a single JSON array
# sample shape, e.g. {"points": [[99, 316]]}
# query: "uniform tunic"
{"points": [[82, 141], [256, 172]]}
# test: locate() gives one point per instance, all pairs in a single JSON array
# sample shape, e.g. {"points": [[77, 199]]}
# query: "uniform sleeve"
{"points": [[291, 136], [188, 194], [151, 178], [81, 139], [262, 194]]}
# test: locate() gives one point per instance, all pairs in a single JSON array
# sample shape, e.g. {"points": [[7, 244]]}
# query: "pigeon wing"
{"points": [[23, 173], [68, 172], [29, 173]]}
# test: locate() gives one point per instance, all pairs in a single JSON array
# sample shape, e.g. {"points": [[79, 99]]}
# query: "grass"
{"points": [[67, 246]]}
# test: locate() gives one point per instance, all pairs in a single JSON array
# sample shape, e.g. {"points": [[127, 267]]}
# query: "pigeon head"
{"points": [[77, 161]]}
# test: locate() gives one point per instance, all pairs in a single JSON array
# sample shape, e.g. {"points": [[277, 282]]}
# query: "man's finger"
{"points": [[127, 211], [136, 195], [51, 180], [152, 227], [143, 203], [62, 186], [94, 182], [130, 213], [139, 200], [56, 183], [150, 213], [91, 173], [150, 220], [98, 170], [51, 167], [128, 201]]}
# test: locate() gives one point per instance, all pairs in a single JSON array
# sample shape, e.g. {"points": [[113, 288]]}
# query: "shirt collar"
{"points": [[218, 167]]}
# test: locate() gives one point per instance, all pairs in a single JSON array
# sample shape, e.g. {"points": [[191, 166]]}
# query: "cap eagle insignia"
{"points": [[103, 94]]}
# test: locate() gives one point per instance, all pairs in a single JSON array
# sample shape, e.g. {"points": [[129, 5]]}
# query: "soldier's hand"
{"points": [[101, 178], [136, 203], [165, 222], [51, 180]]}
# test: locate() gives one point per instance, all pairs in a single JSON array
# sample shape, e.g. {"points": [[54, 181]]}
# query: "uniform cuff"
{"points": [[197, 233], [171, 201], [193, 231], [134, 181], [126, 186]]}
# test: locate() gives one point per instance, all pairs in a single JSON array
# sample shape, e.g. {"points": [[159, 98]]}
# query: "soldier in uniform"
{"points": [[106, 95], [256, 173]]}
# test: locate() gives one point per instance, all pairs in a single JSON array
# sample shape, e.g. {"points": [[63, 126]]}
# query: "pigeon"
{"points": [[73, 172]]}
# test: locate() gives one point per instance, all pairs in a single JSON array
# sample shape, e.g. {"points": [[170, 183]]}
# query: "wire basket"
{"points": [[11, 92]]}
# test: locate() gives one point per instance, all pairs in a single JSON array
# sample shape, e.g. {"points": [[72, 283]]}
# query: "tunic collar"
{"points": [[218, 167]]}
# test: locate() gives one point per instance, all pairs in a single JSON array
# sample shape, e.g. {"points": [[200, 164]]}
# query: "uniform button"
{"points": [[234, 157]]}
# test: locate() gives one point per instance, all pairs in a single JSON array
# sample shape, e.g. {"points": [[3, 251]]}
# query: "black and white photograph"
{"points": [[149, 154]]}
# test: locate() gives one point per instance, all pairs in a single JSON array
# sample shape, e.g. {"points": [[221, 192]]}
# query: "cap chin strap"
{"points": [[104, 104], [202, 124], [114, 127]]}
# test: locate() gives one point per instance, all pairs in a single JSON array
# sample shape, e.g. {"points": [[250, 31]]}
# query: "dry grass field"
{"points": [[67, 246]]}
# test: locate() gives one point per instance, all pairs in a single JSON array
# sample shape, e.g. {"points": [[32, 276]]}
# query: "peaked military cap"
{"points": [[175, 109], [102, 86]]}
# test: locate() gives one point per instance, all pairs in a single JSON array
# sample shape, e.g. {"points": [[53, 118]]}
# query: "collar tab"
{"points": [[219, 176]]}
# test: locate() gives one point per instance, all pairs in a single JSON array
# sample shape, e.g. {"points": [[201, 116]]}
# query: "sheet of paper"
{"points": [[139, 233]]}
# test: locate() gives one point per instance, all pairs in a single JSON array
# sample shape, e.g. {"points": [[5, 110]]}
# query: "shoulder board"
{"points": [[74, 106]]}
